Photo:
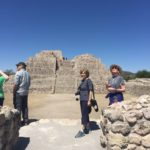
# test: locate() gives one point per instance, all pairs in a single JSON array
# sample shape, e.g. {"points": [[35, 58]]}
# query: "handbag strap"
{"points": [[93, 93]]}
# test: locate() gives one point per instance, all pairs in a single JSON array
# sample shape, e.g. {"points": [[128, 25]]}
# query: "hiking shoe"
{"points": [[86, 131], [24, 123], [79, 134]]}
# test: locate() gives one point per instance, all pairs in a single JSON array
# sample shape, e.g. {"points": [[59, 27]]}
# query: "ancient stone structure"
{"points": [[42, 69], [138, 86], [126, 125], [9, 127], [52, 73]]}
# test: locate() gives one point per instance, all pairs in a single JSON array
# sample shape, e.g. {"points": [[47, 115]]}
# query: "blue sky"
{"points": [[116, 31]]}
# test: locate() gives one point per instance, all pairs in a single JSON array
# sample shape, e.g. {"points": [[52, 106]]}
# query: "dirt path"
{"points": [[55, 106]]}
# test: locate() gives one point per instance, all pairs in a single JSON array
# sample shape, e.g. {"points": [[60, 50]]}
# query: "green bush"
{"points": [[128, 75], [143, 74]]}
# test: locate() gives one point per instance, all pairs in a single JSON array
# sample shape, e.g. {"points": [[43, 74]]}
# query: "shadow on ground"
{"points": [[22, 143], [94, 125], [33, 120]]}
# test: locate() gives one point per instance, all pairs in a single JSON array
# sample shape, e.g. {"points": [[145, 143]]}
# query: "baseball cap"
{"points": [[21, 63]]}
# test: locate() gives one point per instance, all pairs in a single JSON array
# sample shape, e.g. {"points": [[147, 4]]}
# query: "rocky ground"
{"points": [[54, 122]]}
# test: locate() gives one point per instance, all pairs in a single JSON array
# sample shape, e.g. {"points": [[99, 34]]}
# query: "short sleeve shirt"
{"points": [[116, 81], [22, 81], [85, 87], [2, 80]]}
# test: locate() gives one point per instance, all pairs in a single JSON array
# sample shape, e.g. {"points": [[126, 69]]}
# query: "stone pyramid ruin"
{"points": [[52, 73]]}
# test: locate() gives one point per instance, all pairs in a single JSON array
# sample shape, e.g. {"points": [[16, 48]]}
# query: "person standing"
{"points": [[85, 91], [115, 85], [21, 90], [3, 78]]}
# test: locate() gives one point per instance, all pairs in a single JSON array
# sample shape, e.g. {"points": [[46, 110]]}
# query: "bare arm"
{"points": [[121, 89], [90, 97], [110, 88], [4, 75], [113, 90]]}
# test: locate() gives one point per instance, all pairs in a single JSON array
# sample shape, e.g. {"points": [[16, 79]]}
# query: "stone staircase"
{"points": [[65, 81]]}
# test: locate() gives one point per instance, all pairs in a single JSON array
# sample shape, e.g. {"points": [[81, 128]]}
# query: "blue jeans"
{"points": [[21, 103], [84, 112]]}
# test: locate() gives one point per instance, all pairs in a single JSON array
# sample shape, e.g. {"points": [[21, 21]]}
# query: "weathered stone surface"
{"points": [[51, 73], [134, 139], [144, 99], [131, 120], [146, 141], [120, 127], [133, 115], [131, 147], [114, 148], [146, 112], [117, 140], [138, 87], [103, 140], [142, 128], [115, 115], [133, 132], [9, 127], [131, 105], [57, 134], [141, 148]]}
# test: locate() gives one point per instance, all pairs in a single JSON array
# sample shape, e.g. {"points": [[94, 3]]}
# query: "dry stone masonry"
{"points": [[138, 86], [9, 127], [52, 73], [126, 125]]}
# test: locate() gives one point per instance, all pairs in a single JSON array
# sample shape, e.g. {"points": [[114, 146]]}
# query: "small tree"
{"points": [[9, 72]]}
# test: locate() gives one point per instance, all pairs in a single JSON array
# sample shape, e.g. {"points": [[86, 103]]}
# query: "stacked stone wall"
{"points": [[42, 69], [65, 80], [98, 73], [138, 86], [9, 128], [126, 125]]}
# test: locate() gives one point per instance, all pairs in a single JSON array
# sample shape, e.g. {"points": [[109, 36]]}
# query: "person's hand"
{"points": [[111, 89], [89, 103]]}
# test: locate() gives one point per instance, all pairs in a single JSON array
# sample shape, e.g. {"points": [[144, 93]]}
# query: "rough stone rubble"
{"points": [[9, 127], [126, 125]]}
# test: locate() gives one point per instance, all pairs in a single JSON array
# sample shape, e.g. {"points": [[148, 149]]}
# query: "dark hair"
{"points": [[85, 71], [114, 66]]}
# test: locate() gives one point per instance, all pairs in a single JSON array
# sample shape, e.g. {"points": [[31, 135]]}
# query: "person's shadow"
{"points": [[22, 143], [32, 120], [94, 125]]}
